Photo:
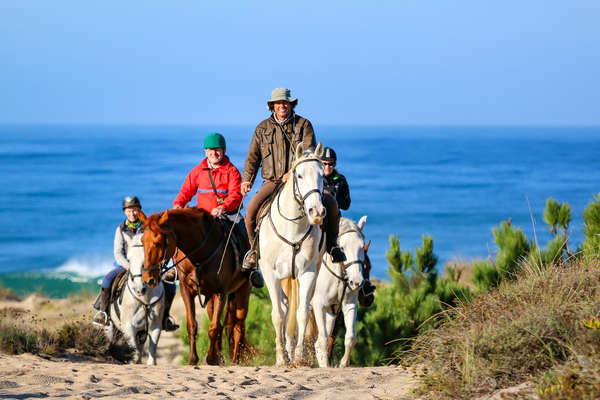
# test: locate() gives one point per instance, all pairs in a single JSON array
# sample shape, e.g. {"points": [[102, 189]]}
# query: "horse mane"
{"points": [[346, 224], [152, 222], [306, 155]]}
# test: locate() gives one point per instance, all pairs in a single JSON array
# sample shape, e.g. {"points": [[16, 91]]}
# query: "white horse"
{"points": [[289, 248], [337, 287], [138, 312]]}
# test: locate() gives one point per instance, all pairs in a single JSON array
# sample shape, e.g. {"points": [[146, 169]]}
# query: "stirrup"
{"points": [[245, 265], [101, 325]]}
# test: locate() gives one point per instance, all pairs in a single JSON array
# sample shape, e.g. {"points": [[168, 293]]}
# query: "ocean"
{"points": [[62, 187]]}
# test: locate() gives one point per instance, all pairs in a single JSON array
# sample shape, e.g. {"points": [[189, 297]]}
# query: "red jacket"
{"points": [[227, 181]]}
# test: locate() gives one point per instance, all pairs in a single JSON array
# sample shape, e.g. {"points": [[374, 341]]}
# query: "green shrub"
{"points": [[405, 307], [485, 275], [591, 218], [512, 249], [15, 340]]}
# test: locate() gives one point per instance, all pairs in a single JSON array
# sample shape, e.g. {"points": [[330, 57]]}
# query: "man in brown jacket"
{"points": [[273, 144]]}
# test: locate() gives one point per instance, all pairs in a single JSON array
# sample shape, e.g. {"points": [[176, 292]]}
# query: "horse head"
{"points": [[135, 254], [159, 246], [351, 239], [307, 175]]}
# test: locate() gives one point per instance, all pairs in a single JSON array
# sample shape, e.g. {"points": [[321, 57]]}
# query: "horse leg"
{"points": [[336, 328], [130, 335], [240, 301], [319, 311], [214, 331], [229, 323], [210, 309], [192, 326], [154, 330], [306, 286], [350, 314], [277, 317]]}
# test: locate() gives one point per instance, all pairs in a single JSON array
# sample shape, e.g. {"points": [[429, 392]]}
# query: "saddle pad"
{"points": [[264, 207]]}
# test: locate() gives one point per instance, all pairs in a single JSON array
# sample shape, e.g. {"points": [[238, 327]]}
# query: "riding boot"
{"points": [[250, 266], [101, 316], [366, 293], [167, 324], [250, 259], [332, 227]]}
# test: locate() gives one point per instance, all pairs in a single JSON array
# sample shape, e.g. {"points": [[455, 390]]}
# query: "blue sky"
{"points": [[441, 62]]}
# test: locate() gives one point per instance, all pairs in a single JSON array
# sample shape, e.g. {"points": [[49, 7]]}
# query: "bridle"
{"points": [[345, 265], [162, 266], [298, 197], [147, 306]]}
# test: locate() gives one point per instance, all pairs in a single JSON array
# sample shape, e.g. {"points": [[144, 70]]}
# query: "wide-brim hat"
{"points": [[279, 94]]}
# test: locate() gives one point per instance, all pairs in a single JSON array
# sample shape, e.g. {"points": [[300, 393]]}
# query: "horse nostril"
{"points": [[143, 290]]}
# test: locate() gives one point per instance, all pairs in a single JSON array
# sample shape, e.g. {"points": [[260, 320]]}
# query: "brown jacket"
{"points": [[271, 148]]}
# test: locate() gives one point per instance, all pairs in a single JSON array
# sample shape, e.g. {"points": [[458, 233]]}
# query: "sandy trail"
{"points": [[28, 376]]}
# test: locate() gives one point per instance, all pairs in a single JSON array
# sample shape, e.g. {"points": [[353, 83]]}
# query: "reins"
{"points": [[164, 269], [345, 266], [147, 306], [297, 195], [300, 199]]}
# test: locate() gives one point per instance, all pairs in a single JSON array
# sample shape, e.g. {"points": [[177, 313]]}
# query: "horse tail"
{"points": [[311, 329], [291, 288]]}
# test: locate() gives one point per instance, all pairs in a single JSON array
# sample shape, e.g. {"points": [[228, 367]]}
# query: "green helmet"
{"points": [[214, 141], [131, 201]]}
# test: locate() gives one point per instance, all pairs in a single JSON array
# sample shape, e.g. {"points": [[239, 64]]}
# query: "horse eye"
{"points": [[299, 176]]}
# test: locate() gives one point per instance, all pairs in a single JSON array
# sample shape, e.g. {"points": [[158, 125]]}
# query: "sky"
{"points": [[443, 62]]}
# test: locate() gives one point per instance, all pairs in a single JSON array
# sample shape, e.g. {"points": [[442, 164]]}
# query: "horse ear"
{"points": [[362, 222], [367, 246], [319, 150], [142, 216], [164, 218], [299, 151]]}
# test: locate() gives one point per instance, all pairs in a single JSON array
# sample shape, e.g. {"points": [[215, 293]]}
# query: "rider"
{"points": [[217, 184], [334, 182], [273, 146], [131, 227]]}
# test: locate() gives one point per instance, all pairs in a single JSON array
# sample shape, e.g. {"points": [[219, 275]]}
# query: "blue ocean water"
{"points": [[62, 186]]}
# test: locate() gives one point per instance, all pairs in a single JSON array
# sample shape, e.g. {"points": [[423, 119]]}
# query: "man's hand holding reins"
{"points": [[245, 188]]}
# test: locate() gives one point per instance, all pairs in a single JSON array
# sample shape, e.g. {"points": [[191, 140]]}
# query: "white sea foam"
{"points": [[86, 266]]}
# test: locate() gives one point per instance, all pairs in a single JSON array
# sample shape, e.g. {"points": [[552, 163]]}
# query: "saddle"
{"points": [[238, 239], [263, 210], [266, 204], [116, 291]]}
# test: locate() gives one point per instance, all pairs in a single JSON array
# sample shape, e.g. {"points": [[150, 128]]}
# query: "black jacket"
{"points": [[337, 185]]}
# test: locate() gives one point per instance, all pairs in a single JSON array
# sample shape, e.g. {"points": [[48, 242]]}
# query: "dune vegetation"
{"points": [[534, 319]]}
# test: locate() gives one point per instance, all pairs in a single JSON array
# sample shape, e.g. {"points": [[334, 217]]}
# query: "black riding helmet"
{"points": [[329, 154], [131, 201]]}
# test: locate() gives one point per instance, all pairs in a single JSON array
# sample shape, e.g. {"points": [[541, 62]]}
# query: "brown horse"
{"points": [[207, 266]]}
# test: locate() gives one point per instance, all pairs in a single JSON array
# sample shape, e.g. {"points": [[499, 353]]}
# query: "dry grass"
{"points": [[519, 332], [38, 325]]}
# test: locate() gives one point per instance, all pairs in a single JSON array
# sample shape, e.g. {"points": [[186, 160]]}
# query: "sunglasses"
{"points": [[329, 164]]}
